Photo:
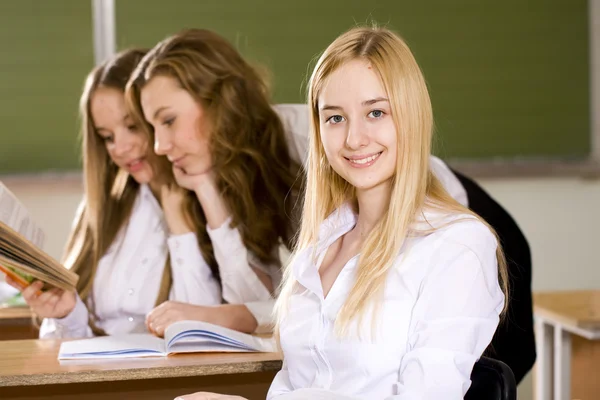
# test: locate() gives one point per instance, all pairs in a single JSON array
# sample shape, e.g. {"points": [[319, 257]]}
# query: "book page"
{"points": [[116, 346], [197, 336], [14, 214], [20, 255]]}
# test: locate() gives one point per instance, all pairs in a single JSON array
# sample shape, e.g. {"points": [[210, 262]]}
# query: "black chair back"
{"points": [[492, 380]]}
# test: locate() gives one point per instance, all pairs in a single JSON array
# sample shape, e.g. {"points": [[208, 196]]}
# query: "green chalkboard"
{"points": [[508, 79], [47, 50]]}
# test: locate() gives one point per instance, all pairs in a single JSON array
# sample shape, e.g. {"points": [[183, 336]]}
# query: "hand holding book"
{"points": [[52, 303], [21, 256]]}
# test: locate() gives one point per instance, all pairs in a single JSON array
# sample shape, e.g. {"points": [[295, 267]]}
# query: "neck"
{"points": [[372, 204]]}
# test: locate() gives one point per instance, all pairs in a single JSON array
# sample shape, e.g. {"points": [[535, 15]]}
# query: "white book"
{"points": [[180, 337]]}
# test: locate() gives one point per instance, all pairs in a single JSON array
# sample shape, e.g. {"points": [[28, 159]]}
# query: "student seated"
{"points": [[132, 244], [394, 289], [514, 341], [209, 113]]}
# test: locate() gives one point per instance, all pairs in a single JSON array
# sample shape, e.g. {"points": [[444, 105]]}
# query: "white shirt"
{"points": [[128, 276], [441, 307]]}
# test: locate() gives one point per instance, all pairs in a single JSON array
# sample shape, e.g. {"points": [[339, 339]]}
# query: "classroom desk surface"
{"points": [[34, 362], [579, 309], [568, 344], [16, 323], [15, 313]]}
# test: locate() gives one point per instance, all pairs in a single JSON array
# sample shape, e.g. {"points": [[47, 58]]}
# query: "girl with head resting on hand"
{"points": [[209, 113], [394, 289], [133, 243]]}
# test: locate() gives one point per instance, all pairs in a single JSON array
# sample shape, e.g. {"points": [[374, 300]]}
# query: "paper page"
{"points": [[118, 346], [199, 335], [14, 214]]}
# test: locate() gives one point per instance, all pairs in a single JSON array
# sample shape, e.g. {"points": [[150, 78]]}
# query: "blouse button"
{"points": [[179, 261], [130, 319], [145, 260], [130, 291]]}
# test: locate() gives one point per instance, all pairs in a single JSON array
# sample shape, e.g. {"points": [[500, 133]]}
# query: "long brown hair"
{"points": [[109, 193], [256, 176]]}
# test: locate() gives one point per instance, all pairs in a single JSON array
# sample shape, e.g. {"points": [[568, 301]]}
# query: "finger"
{"points": [[46, 298], [30, 293], [55, 299]]}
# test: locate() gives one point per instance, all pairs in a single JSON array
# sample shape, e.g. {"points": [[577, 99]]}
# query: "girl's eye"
{"points": [[335, 119], [376, 113], [169, 122]]}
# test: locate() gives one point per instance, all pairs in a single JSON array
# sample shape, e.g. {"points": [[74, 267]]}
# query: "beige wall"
{"points": [[560, 218]]}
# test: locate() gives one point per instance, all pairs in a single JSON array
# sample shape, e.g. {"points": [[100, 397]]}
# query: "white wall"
{"points": [[560, 218]]}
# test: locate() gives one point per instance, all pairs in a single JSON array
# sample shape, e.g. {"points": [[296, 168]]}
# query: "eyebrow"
{"points": [[364, 103], [158, 111]]}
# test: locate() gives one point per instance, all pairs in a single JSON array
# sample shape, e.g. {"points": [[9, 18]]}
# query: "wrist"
{"points": [[177, 224]]}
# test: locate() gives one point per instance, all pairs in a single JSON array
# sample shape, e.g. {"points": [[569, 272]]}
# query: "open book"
{"points": [[180, 337], [21, 241]]}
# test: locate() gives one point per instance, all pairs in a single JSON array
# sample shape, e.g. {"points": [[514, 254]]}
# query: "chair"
{"points": [[492, 380]]}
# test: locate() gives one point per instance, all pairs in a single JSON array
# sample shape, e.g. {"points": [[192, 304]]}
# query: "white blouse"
{"points": [[128, 276], [440, 309]]}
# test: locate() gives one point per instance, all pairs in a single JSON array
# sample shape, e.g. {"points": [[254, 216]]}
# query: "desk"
{"points": [[16, 323], [29, 369], [568, 345]]}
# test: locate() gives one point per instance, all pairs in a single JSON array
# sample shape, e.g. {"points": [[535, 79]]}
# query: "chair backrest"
{"points": [[492, 380]]}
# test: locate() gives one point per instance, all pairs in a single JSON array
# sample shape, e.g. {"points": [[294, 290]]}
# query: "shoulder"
{"points": [[449, 180], [295, 119], [465, 231], [461, 240]]}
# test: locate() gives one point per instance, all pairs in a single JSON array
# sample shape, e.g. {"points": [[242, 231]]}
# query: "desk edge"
{"points": [[138, 373]]}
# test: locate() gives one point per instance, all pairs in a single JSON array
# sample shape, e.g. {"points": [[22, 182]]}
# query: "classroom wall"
{"points": [[560, 217]]}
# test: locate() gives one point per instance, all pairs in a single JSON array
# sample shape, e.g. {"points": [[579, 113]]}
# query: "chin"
{"points": [[142, 177]]}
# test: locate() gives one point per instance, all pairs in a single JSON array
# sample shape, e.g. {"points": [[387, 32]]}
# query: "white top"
{"points": [[128, 276], [440, 310]]}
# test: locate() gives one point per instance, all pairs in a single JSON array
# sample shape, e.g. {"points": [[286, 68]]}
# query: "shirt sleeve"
{"points": [[262, 311], [193, 281], [454, 318], [239, 281], [74, 325]]}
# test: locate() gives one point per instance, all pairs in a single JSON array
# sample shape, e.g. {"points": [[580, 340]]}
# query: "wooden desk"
{"points": [[30, 370], [16, 323], [568, 345]]}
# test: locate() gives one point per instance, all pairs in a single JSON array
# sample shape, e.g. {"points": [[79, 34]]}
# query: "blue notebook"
{"points": [[180, 337]]}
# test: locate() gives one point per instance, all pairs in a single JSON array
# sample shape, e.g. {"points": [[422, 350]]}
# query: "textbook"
{"points": [[180, 337], [21, 241]]}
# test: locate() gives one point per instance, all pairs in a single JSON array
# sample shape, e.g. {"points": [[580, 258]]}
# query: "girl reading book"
{"points": [[394, 289], [208, 111], [132, 245]]}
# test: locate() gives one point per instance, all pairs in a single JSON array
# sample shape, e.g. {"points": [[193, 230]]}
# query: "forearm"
{"points": [[233, 316]]}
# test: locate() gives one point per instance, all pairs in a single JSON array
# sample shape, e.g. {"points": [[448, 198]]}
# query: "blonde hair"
{"points": [[109, 192], [413, 189]]}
